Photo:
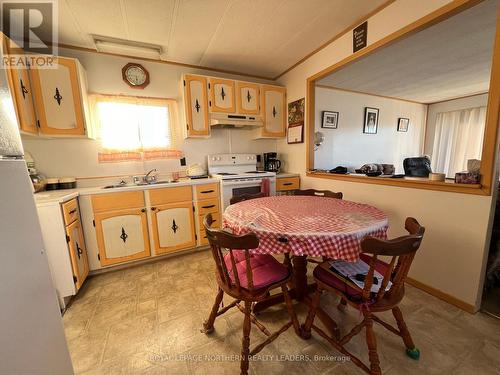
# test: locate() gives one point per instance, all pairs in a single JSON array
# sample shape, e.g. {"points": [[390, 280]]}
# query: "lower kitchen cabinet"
{"points": [[122, 235], [77, 253], [65, 246], [173, 227]]}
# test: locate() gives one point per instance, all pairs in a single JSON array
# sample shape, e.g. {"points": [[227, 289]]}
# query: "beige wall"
{"points": [[60, 157], [350, 147], [452, 255]]}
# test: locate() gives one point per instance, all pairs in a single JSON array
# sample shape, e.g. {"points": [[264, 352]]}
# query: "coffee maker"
{"points": [[271, 162]]}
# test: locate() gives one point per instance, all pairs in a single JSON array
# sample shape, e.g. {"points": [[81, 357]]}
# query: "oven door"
{"points": [[233, 188]]}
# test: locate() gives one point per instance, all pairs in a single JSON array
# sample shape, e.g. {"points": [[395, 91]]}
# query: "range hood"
{"points": [[219, 120]]}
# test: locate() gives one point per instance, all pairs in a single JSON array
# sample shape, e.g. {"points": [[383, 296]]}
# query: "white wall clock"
{"points": [[135, 75]]}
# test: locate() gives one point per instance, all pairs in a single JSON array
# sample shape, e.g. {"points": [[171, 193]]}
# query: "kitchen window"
{"points": [[135, 129]]}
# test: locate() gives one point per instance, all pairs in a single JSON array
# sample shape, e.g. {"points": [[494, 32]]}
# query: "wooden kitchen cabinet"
{"points": [[77, 253], [122, 235], [274, 111], [285, 184], [248, 98], [20, 85], [65, 247], [173, 227], [207, 202], [196, 106], [60, 99], [222, 96]]}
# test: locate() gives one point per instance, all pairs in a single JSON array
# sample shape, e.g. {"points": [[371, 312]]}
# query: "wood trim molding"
{"points": [[169, 62], [459, 97], [442, 295], [339, 35], [413, 184], [367, 93], [489, 152]]}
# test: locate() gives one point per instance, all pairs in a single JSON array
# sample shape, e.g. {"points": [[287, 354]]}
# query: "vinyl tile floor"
{"points": [[146, 319]]}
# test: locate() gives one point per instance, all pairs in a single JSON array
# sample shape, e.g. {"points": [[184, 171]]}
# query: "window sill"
{"points": [[448, 186]]}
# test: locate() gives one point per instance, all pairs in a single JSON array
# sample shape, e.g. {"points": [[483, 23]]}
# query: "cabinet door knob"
{"points": [[58, 97], [24, 90], [153, 208], [143, 210]]}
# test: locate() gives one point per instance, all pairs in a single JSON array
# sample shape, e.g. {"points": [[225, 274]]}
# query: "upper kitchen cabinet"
{"points": [[61, 99], [20, 86], [196, 105], [247, 98], [274, 111], [222, 98]]}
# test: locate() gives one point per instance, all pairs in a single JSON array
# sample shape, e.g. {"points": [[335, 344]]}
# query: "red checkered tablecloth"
{"points": [[306, 225]]}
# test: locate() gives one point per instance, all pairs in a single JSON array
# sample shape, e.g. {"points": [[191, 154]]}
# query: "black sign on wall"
{"points": [[359, 36]]}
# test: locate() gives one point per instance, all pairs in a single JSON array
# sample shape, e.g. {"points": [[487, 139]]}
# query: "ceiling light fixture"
{"points": [[127, 47]]}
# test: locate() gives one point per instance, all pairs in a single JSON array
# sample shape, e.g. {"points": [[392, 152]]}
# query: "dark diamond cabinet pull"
{"points": [[222, 93], [58, 97], [197, 106], [24, 90], [249, 97], [124, 235], [79, 251], [274, 111], [174, 226]]}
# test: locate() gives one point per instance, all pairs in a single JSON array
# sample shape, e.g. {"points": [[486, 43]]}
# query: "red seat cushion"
{"points": [[340, 284], [266, 270]]}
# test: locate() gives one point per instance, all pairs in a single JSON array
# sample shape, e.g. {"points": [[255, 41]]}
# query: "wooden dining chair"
{"points": [[402, 251], [248, 278], [245, 197], [319, 193]]}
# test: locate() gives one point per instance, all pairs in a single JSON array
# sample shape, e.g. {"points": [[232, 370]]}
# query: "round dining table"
{"points": [[305, 226]]}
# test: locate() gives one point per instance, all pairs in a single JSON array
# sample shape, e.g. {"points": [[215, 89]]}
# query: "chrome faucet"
{"points": [[152, 178], [146, 179]]}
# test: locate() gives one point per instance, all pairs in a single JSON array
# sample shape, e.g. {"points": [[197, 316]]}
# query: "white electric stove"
{"points": [[238, 175]]}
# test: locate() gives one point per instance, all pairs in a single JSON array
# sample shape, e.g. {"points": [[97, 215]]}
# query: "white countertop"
{"points": [[286, 175], [61, 196]]}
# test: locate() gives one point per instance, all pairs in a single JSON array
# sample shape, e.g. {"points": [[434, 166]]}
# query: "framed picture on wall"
{"points": [[403, 124], [330, 120], [371, 120], [295, 132]]}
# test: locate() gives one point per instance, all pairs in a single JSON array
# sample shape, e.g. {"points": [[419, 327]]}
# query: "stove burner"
{"points": [[255, 172], [226, 174]]}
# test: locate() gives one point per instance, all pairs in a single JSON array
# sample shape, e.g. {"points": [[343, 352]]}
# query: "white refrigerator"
{"points": [[31, 332]]}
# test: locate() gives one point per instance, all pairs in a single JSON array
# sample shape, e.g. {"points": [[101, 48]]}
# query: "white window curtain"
{"points": [[458, 137], [134, 128]]}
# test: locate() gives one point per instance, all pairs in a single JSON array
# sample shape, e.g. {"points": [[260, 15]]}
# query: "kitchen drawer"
{"points": [[208, 191], [208, 206], [117, 201], [170, 195], [216, 223], [70, 211], [289, 183]]}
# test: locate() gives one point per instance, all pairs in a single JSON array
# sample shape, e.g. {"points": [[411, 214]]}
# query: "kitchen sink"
{"points": [[116, 186]]}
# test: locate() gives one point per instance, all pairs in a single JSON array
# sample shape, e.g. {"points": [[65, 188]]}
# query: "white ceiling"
{"points": [[260, 37], [448, 60]]}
